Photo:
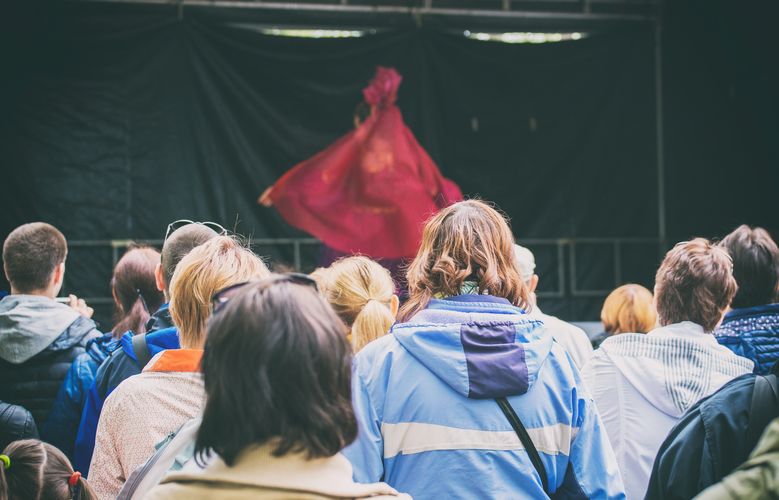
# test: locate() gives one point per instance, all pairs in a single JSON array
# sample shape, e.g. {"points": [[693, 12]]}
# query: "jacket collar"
{"points": [[684, 329], [474, 301], [160, 319], [176, 360], [258, 467], [764, 310]]}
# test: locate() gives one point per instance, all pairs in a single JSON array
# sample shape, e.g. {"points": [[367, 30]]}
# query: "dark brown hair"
{"points": [[277, 369], [694, 283], [755, 265], [135, 289], [39, 470], [31, 253], [179, 244], [467, 241]]}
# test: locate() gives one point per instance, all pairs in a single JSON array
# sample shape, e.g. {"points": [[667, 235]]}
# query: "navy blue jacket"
{"points": [[61, 427], [752, 332], [120, 365], [708, 443]]}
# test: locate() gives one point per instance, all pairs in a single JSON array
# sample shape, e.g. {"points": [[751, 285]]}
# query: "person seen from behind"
{"points": [[644, 383], [277, 370], [434, 398], [32, 469], [135, 295], [147, 407], [39, 336], [136, 348], [628, 309], [573, 339], [362, 293], [751, 327]]}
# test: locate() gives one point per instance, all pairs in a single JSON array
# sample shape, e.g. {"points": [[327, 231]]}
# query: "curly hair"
{"points": [[467, 241]]}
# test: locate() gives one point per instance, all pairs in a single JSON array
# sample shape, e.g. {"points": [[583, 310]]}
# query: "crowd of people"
{"points": [[222, 379]]}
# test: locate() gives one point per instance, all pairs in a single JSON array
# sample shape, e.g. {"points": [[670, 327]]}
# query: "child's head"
{"points": [[33, 469], [362, 293]]}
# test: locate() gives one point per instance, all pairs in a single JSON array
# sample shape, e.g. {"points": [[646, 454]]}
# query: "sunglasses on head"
{"points": [[178, 224], [223, 296]]}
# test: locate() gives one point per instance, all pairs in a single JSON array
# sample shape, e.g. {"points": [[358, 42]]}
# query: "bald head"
{"points": [[179, 244]]}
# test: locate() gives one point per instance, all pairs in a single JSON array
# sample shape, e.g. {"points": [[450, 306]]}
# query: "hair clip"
{"points": [[73, 481], [6, 460]]}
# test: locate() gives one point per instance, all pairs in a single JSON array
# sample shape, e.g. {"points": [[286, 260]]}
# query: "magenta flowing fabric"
{"points": [[372, 190]]}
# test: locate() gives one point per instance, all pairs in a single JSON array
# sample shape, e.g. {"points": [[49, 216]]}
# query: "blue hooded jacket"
{"points": [[428, 423], [120, 365], [752, 332], [62, 424]]}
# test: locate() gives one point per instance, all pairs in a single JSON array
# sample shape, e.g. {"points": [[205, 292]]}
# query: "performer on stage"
{"points": [[370, 191]]}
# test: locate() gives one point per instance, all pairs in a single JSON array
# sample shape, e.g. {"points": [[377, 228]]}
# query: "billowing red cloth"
{"points": [[371, 191]]}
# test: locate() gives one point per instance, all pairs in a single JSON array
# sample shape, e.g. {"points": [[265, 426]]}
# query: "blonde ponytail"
{"points": [[361, 293], [372, 322]]}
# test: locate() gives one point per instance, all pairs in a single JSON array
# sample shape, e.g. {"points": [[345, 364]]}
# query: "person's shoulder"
{"points": [[553, 322], [725, 399], [131, 389], [377, 350]]}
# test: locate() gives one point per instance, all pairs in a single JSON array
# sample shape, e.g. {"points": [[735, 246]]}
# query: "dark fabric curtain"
{"points": [[120, 119]]}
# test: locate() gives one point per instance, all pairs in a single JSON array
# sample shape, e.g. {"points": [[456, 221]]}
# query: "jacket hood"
{"points": [[481, 346], [157, 341], [160, 319], [101, 347], [674, 366], [29, 324]]}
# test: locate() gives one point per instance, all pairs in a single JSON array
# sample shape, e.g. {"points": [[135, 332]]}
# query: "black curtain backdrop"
{"points": [[119, 119]]}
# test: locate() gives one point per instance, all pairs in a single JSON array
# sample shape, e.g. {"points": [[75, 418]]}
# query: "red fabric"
{"points": [[371, 191]]}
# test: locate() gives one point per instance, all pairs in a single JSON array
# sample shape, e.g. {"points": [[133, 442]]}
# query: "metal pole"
{"points": [[661, 223], [296, 254], [394, 9]]}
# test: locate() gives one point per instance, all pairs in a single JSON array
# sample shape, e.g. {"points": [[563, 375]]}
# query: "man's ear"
{"points": [[58, 276], [394, 305], [158, 277], [55, 282]]}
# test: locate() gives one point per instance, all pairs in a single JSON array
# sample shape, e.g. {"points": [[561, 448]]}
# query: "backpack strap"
{"points": [[764, 407], [524, 437], [141, 349]]}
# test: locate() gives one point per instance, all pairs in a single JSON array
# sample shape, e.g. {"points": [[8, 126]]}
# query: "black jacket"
{"points": [[34, 383], [15, 423], [712, 439]]}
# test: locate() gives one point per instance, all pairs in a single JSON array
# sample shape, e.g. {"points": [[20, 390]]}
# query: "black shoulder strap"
{"points": [[764, 407], [524, 437], [141, 349]]}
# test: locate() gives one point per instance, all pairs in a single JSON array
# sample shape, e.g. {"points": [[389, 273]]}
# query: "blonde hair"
{"points": [[629, 309], [467, 241], [360, 291], [216, 264]]}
